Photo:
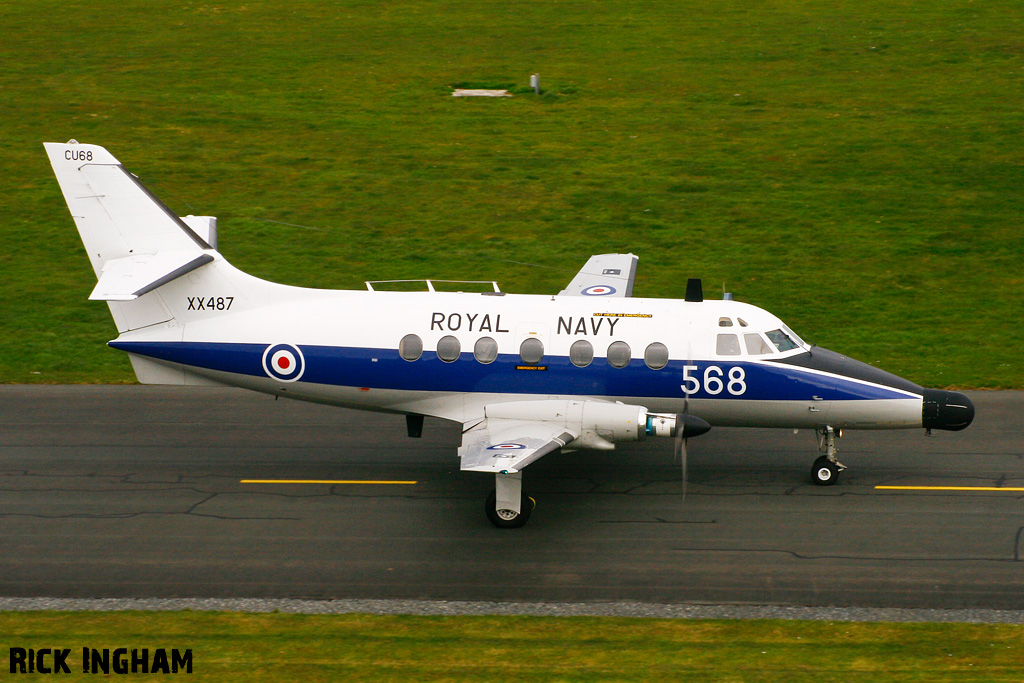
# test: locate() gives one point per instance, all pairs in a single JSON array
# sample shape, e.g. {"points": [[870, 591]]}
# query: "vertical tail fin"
{"points": [[117, 217], [135, 242], [140, 250]]}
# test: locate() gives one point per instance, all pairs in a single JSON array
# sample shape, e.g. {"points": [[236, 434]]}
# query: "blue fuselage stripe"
{"points": [[555, 375]]}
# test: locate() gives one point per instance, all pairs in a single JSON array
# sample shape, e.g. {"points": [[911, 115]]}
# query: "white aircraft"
{"points": [[525, 375]]}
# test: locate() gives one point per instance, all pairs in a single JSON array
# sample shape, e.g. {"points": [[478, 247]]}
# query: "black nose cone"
{"points": [[949, 410]]}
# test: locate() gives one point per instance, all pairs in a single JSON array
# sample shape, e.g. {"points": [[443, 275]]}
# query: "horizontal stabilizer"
{"points": [[130, 277]]}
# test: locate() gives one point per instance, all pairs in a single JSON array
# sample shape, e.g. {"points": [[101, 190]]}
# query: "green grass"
{"points": [[853, 166], [278, 647]]}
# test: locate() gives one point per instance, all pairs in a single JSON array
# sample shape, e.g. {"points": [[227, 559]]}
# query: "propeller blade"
{"points": [[681, 455], [687, 426]]}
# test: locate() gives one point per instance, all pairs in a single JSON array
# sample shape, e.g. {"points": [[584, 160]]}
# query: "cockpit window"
{"points": [[782, 340], [795, 337], [756, 345], [724, 322], [728, 345]]}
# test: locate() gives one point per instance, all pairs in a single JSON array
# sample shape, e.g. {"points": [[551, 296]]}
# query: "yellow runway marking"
{"points": [[1004, 489], [326, 481]]}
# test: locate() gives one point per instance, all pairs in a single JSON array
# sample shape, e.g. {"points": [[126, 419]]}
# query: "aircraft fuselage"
{"points": [[723, 361]]}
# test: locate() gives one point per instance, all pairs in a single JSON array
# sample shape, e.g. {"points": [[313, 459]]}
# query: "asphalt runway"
{"points": [[131, 491]]}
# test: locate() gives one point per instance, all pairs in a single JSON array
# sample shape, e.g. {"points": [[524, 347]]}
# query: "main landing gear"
{"points": [[507, 507], [826, 469]]}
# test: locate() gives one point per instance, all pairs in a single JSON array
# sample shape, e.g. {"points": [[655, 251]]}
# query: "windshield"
{"points": [[785, 339]]}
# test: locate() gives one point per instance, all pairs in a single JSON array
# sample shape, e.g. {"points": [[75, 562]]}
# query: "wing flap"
{"points": [[507, 446]]}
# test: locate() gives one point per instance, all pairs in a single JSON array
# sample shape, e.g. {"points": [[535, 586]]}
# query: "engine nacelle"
{"points": [[600, 424]]}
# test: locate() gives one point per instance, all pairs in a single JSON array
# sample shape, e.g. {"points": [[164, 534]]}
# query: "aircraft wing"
{"points": [[507, 446], [604, 275]]}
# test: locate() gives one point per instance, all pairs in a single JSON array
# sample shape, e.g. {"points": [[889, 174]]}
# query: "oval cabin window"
{"points": [[531, 350], [656, 356], [618, 354], [486, 350], [411, 347], [448, 349], [581, 353]]}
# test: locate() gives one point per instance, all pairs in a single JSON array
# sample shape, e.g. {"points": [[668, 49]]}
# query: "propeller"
{"points": [[694, 292], [687, 426], [680, 448]]}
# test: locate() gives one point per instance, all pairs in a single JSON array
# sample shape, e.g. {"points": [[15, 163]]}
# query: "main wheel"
{"points": [[507, 519], [825, 472]]}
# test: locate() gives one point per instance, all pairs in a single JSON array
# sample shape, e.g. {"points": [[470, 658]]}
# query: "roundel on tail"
{"points": [[283, 362]]}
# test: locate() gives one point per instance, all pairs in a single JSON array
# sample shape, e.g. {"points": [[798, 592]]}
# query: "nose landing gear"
{"points": [[826, 469]]}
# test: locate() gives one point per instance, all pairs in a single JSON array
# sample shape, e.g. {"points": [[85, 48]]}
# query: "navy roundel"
{"points": [[507, 447], [598, 290], [283, 362]]}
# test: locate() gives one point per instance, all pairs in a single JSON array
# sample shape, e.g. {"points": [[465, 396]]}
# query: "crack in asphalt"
{"points": [[656, 520], [190, 511], [853, 558]]}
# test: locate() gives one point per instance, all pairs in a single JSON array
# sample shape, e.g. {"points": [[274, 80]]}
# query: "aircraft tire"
{"points": [[824, 472], [506, 519]]}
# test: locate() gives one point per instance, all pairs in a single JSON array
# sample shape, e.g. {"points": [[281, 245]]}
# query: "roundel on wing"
{"points": [[598, 290], [507, 447], [283, 362]]}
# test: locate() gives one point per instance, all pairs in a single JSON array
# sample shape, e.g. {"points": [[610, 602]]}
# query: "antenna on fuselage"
{"points": [[694, 290]]}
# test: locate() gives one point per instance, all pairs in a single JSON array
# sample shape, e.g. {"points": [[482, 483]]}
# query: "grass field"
{"points": [[278, 647], [854, 167]]}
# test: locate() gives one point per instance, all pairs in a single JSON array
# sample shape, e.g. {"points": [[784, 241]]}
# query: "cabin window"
{"points": [[485, 350], [581, 353], [656, 356], [781, 340], [728, 345], [411, 347], [448, 349], [724, 322], [531, 350], [618, 354], [756, 345]]}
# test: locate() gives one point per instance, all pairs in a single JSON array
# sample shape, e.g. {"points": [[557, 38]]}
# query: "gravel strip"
{"points": [[554, 609]]}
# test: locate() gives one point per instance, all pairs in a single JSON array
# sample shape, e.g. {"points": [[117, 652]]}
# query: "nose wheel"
{"points": [[826, 469], [825, 472]]}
